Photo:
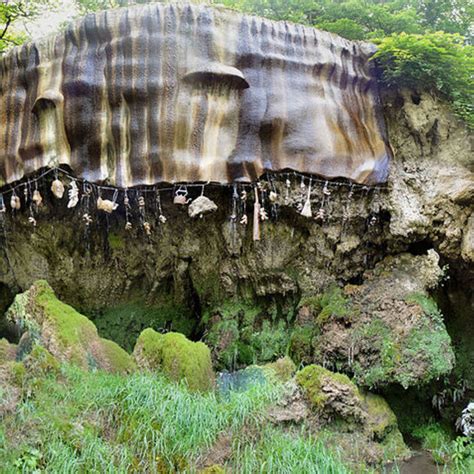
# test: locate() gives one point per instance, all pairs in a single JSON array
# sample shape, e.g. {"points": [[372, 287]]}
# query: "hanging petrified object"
{"points": [[244, 220], [87, 219], [180, 197], [32, 221], [326, 191], [15, 202], [57, 188], [306, 211], [106, 205], [128, 225], [256, 217], [321, 215], [73, 195], [147, 228], [200, 206], [161, 217], [37, 198], [263, 214], [273, 196]]}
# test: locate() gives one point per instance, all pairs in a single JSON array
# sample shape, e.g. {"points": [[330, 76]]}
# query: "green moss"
{"points": [[215, 469], [427, 344], [41, 362], [311, 380], [394, 446], [116, 241], [209, 288], [117, 358], [301, 344], [381, 418], [283, 369], [177, 357], [70, 327], [428, 305], [430, 346], [66, 333], [334, 304], [123, 323], [17, 371]]}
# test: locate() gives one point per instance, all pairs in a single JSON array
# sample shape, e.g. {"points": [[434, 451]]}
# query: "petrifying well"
{"points": [[190, 93]]}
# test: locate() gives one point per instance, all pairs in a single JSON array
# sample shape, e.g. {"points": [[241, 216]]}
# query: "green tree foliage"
{"points": [[433, 61], [424, 44], [12, 12]]}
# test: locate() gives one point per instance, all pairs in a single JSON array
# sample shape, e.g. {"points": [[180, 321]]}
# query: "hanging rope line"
{"points": [[305, 191]]}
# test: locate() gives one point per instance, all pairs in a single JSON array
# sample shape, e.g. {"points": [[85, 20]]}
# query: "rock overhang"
{"points": [[190, 93]]}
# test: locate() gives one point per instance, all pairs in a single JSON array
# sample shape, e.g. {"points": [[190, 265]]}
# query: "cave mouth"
{"points": [[124, 322], [169, 309], [420, 247]]}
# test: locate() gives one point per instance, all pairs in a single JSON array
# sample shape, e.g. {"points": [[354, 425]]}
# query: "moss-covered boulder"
{"points": [[283, 369], [68, 335], [176, 356], [331, 396], [346, 411], [387, 330]]}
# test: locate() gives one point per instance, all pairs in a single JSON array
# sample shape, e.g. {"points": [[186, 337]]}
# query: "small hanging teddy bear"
{"points": [[37, 198]]}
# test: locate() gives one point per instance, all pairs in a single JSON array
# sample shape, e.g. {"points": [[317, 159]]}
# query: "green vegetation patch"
{"points": [[102, 422], [242, 334], [177, 357], [123, 323], [334, 304]]}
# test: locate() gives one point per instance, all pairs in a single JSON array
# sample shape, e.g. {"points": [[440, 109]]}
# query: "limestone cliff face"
{"points": [[183, 93], [176, 277]]}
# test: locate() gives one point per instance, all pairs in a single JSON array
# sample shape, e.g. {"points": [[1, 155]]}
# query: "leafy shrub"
{"points": [[439, 62]]}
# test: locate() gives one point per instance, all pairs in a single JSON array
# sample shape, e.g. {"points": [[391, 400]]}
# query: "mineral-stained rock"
{"points": [[330, 395], [186, 270], [291, 408], [177, 357], [66, 334], [349, 413], [386, 330], [467, 247]]}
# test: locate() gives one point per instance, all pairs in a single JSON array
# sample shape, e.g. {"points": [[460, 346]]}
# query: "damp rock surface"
{"points": [[60, 329]]}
